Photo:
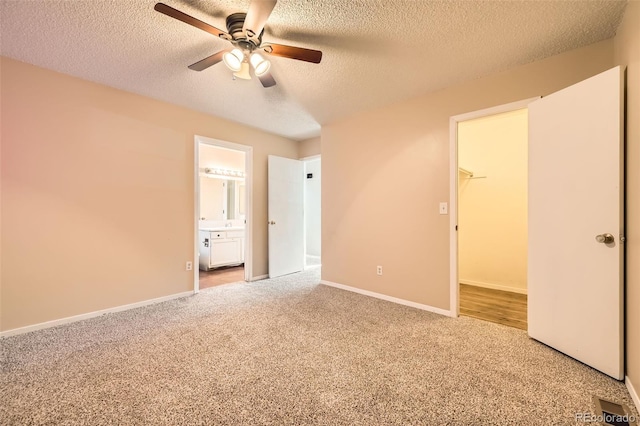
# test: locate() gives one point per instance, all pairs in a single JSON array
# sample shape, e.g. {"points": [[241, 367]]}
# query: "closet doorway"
{"points": [[491, 201]]}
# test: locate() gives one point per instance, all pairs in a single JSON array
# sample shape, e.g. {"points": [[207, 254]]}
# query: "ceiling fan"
{"points": [[244, 32]]}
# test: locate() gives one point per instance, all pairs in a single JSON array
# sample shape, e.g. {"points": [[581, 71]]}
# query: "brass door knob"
{"points": [[605, 238]]}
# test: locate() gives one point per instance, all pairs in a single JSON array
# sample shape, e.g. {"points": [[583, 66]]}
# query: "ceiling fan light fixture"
{"points": [[233, 60], [260, 65], [243, 73]]}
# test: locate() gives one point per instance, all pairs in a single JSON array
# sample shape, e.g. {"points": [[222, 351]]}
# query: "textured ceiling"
{"points": [[374, 51]]}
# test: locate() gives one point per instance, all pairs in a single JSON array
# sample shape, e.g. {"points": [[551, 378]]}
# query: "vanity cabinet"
{"points": [[220, 248]]}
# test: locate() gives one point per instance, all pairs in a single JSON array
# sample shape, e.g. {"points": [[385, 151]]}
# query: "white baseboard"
{"points": [[67, 320], [632, 391], [494, 286], [389, 298], [259, 277]]}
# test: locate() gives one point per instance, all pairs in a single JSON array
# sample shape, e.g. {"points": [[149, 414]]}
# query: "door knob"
{"points": [[605, 238], [271, 222]]}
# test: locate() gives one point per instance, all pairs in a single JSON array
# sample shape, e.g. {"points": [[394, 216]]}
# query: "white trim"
{"points": [[68, 320], [453, 217], [499, 109], [388, 298], [632, 392], [453, 189], [196, 213], [259, 277], [493, 286], [248, 173]]}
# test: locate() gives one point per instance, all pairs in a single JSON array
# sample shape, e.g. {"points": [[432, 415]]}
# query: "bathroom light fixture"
{"points": [[233, 60], [260, 65], [223, 173]]}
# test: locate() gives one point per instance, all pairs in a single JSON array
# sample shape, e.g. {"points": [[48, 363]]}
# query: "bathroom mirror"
{"points": [[222, 199]]}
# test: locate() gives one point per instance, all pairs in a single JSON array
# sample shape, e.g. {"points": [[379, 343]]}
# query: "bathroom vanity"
{"points": [[220, 247]]}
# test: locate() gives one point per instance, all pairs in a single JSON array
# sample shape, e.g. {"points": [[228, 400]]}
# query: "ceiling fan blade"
{"points": [[267, 80], [176, 14], [299, 53], [259, 11], [208, 61]]}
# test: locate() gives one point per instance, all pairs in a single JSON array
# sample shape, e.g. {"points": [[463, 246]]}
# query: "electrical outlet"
{"points": [[444, 208], [189, 266], [379, 270]]}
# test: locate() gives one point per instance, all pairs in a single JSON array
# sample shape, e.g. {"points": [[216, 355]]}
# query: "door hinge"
{"points": [[456, 227]]}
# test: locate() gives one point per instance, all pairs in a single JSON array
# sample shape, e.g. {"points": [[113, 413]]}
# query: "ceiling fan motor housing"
{"points": [[235, 24]]}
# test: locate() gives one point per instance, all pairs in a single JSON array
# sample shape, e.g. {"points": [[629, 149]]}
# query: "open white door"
{"points": [[575, 277], [286, 216]]}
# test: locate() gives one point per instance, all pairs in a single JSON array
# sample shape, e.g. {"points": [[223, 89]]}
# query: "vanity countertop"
{"points": [[223, 228]]}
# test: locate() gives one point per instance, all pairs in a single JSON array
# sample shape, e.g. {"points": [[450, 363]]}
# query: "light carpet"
{"points": [[290, 351]]}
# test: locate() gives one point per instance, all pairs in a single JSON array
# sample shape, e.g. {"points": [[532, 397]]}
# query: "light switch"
{"points": [[444, 208]]}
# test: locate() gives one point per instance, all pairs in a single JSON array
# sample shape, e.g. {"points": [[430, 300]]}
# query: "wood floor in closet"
{"points": [[502, 307]]}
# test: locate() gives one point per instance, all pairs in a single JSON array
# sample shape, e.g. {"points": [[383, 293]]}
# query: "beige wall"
{"points": [[492, 211], [221, 158], [1, 197], [309, 148], [627, 52], [386, 170], [98, 194]]}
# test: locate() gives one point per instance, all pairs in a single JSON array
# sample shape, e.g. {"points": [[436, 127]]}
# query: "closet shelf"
{"points": [[470, 174]]}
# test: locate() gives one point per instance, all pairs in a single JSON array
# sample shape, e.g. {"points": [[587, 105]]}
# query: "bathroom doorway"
{"points": [[223, 220]]}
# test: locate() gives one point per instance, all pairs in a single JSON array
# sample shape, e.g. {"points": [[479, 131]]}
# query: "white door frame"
{"points": [[248, 230], [453, 188]]}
